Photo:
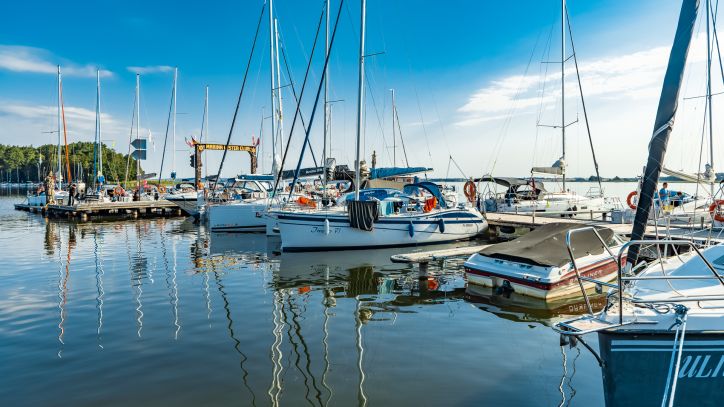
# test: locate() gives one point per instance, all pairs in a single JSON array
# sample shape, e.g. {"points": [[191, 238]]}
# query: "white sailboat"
{"points": [[377, 217], [537, 199]]}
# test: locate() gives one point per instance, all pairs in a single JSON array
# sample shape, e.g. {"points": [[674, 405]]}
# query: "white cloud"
{"points": [[145, 70], [631, 76], [18, 58]]}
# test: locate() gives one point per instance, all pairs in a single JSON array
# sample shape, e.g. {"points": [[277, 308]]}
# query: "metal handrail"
{"points": [[573, 258], [619, 263]]}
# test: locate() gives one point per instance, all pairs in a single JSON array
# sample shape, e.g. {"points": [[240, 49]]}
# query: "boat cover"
{"points": [[363, 214], [546, 245]]}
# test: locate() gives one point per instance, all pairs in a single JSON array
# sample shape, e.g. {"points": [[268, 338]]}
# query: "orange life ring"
{"points": [[470, 191], [629, 199], [713, 210], [119, 191], [162, 189]]}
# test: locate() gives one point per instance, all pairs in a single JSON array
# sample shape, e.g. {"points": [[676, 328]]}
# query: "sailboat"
{"points": [[376, 218], [661, 334], [528, 195]]}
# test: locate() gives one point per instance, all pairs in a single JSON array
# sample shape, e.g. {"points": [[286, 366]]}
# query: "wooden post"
{"points": [[252, 155], [197, 167]]}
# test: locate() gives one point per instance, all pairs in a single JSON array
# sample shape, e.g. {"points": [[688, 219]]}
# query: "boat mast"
{"points": [[663, 125], [708, 97], [138, 127], [563, 90], [272, 85], [280, 124], [173, 157], [98, 155], [59, 172], [394, 146], [326, 98], [360, 99], [205, 125]]}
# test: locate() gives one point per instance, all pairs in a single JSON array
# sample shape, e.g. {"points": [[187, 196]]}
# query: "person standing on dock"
{"points": [[71, 194], [664, 194], [50, 188]]}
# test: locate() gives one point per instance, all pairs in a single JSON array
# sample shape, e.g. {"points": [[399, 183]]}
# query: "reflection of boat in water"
{"points": [[522, 308]]}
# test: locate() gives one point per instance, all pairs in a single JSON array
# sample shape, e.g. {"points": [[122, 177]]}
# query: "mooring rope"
{"points": [[681, 312]]}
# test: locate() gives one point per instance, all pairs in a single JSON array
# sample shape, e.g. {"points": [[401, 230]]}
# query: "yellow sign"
{"points": [[221, 147]]}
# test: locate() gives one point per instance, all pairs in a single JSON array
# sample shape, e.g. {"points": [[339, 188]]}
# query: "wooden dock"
{"points": [[86, 210]]}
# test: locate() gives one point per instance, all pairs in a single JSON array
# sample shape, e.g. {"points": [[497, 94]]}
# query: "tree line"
{"points": [[28, 163]]}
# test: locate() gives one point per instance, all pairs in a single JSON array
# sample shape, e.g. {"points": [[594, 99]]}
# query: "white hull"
{"points": [[556, 203], [238, 216], [330, 230], [187, 201]]}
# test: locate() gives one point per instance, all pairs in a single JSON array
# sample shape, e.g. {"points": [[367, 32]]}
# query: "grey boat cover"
{"points": [[363, 214], [546, 245]]}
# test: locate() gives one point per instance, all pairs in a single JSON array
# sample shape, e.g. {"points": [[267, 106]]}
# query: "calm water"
{"points": [[161, 312]]}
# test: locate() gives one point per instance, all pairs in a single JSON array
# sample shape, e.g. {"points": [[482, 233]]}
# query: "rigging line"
{"points": [[402, 140], [65, 135], [716, 39], [541, 89], [583, 102], [297, 110], [422, 121], [379, 121], [241, 92], [513, 108], [316, 99], [296, 99], [458, 167], [168, 124], [130, 139]]}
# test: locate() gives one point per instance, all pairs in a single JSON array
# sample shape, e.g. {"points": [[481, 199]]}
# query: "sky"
{"points": [[470, 77]]}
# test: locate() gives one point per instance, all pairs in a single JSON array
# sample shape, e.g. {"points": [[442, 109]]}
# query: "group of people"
{"points": [[667, 197]]}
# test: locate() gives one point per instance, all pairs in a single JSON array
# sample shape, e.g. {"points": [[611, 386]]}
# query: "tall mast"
{"points": [[271, 81], [205, 125], [280, 125], [708, 95], [394, 147], [360, 99], [563, 90], [138, 127], [99, 143], [173, 160], [59, 172], [326, 95]]}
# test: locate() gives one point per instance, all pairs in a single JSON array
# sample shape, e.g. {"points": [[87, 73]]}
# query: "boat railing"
{"points": [[625, 275]]}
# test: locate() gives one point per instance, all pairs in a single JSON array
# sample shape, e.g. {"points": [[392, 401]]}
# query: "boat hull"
{"points": [[240, 217], [490, 274], [318, 232], [636, 361]]}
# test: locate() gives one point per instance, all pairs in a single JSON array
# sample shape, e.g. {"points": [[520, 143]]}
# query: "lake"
{"points": [[162, 312]]}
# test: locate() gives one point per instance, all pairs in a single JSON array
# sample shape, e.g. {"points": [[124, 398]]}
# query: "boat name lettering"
{"points": [[698, 367]]}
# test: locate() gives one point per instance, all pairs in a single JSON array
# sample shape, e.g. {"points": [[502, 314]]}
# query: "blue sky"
{"points": [[456, 67]]}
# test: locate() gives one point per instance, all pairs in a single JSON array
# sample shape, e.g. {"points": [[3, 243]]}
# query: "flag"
{"points": [[190, 143]]}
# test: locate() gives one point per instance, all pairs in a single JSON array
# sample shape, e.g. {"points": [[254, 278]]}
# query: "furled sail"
{"points": [[664, 120], [558, 168], [704, 178]]}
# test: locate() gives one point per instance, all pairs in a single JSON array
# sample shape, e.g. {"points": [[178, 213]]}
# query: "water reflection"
{"points": [[317, 327]]}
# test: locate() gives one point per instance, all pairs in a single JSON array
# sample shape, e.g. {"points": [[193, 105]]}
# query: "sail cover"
{"points": [[546, 245], [664, 120], [548, 170]]}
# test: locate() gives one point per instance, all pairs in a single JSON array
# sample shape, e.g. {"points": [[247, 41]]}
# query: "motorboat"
{"points": [[241, 205], [538, 264], [185, 196]]}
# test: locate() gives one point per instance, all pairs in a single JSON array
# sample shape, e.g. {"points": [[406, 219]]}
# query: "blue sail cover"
{"points": [[376, 173], [431, 187]]}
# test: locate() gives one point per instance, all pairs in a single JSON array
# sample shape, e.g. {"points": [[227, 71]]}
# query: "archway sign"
{"points": [[199, 147]]}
